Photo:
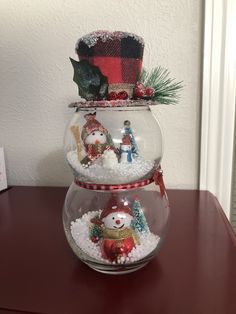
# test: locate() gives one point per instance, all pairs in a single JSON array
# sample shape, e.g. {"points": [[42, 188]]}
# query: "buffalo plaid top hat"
{"points": [[109, 73], [117, 55]]}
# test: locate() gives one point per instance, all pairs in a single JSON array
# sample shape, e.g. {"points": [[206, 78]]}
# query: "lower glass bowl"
{"points": [[115, 232]]}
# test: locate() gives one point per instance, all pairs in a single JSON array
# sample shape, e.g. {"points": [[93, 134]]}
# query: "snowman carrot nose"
{"points": [[117, 221], [97, 142]]}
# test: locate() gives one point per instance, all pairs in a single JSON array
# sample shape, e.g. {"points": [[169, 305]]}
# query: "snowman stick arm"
{"points": [[136, 238], [76, 133]]}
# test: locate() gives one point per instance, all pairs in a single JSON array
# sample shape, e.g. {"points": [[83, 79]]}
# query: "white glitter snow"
{"points": [[121, 173], [91, 39], [80, 234], [109, 159]]}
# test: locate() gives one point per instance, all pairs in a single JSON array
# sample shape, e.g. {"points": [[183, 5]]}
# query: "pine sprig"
{"points": [[166, 89]]}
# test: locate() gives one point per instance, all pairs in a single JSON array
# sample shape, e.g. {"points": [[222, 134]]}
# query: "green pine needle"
{"points": [[166, 89]]}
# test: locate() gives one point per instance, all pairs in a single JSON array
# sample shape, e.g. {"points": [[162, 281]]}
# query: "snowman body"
{"points": [[109, 159], [126, 153], [118, 237], [96, 139]]}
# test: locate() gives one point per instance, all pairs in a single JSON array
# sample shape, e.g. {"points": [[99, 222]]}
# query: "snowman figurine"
{"points": [[96, 139], [126, 150], [118, 238]]}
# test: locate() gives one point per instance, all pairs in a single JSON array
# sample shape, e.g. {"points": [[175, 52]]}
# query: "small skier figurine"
{"points": [[96, 139], [128, 131], [118, 238]]}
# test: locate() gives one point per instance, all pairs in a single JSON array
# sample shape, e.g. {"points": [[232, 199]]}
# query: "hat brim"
{"points": [[113, 103]]}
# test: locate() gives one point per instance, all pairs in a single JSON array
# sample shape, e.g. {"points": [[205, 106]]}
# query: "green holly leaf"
{"points": [[92, 84]]}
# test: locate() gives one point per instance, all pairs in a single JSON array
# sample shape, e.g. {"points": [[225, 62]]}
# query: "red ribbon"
{"points": [[157, 178]]}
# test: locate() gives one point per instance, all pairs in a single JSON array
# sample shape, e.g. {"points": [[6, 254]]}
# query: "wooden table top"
{"points": [[193, 273]]}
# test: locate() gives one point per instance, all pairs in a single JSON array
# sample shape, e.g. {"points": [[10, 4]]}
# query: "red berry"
{"points": [[112, 96], [94, 239], [139, 85], [149, 91], [139, 93], [122, 95], [139, 90]]}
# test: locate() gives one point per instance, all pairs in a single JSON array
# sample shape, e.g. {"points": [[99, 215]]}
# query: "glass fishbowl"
{"points": [[113, 144], [115, 231]]}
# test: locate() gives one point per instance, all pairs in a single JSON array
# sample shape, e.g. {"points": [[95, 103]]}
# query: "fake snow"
{"points": [[121, 173], [80, 234]]}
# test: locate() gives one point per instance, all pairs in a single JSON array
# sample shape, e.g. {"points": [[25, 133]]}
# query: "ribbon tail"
{"points": [[158, 179]]}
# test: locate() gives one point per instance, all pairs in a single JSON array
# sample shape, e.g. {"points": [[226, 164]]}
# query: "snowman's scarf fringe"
{"points": [[117, 234]]}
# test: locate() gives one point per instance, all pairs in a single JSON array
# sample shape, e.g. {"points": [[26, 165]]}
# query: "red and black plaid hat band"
{"points": [[117, 70]]}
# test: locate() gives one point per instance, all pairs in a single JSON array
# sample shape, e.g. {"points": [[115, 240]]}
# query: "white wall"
{"points": [[36, 39]]}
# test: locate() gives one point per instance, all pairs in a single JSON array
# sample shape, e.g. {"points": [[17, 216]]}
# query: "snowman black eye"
{"points": [[93, 133], [113, 218], [101, 134]]}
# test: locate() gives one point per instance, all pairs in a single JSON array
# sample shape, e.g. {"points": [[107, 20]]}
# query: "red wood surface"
{"points": [[193, 273]]}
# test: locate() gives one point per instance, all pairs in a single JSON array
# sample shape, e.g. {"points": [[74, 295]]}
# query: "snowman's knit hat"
{"points": [[115, 206], [126, 140], [92, 125]]}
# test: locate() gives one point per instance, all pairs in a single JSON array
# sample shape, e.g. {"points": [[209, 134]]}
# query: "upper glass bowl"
{"points": [[113, 145]]}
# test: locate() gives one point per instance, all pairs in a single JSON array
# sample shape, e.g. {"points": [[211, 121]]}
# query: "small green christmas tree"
{"points": [[139, 222], [110, 140], [95, 230], [129, 131]]}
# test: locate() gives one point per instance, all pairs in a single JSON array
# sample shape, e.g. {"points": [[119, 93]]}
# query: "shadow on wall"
{"points": [[53, 170]]}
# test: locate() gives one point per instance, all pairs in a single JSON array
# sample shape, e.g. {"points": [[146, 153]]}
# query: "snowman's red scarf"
{"points": [[95, 150]]}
